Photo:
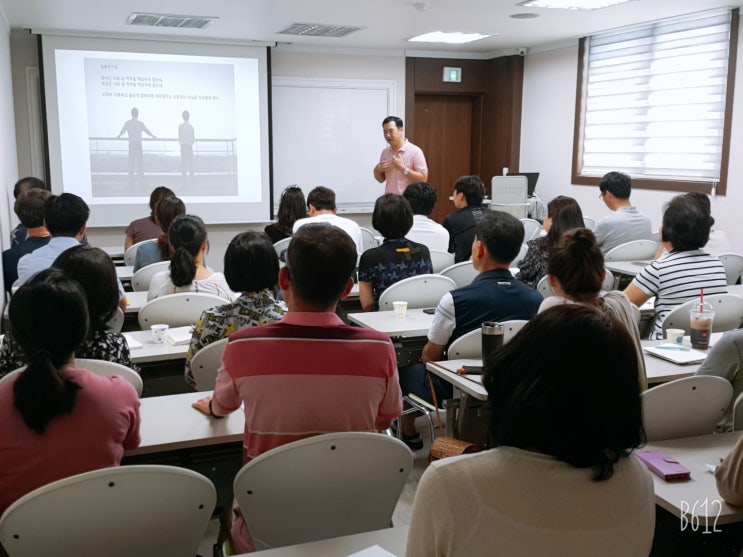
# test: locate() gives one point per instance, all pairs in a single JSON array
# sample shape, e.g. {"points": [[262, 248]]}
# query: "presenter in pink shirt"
{"points": [[402, 163]]}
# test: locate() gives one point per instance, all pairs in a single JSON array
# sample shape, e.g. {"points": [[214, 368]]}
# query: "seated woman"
{"points": [[397, 258], [146, 228], [251, 266], [560, 480], [187, 237], [57, 420], [292, 207], [679, 276], [576, 272], [93, 269], [165, 212], [563, 214]]}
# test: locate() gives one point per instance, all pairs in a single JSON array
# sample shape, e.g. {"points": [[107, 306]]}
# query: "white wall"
{"points": [[8, 152], [547, 143]]}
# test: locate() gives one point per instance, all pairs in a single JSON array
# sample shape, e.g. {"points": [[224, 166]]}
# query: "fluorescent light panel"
{"points": [[572, 4], [449, 38]]}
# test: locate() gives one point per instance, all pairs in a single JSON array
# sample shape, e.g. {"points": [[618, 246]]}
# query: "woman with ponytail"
{"points": [[575, 272], [57, 420], [154, 252], [188, 243]]}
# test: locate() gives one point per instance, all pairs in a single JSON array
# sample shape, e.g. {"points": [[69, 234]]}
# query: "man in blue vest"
{"points": [[494, 295]]}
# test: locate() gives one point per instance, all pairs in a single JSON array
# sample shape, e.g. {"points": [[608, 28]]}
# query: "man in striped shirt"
{"points": [[679, 276], [308, 373]]}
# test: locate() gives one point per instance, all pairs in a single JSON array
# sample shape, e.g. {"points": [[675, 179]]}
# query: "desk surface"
{"points": [[151, 352], [125, 272], [136, 301], [114, 252], [470, 384], [169, 423], [628, 268], [414, 324], [694, 453], [393, 540]]}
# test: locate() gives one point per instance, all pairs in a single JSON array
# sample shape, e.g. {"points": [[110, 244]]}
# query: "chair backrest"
{"points": [[544, 287], [630, 251], [322, 487], [130, 255], [142, 278], [117, 512], [281, 246], [738, 413], [733, 263], [532, 228], [368, 241], [461, 273], [509, 194], [589, 223], [205, 364], [177, 310], [522, 253], [728, 313], [469, 345], [440, 260], [422, 291], [99, 367], [685, 407], [116, 322]]}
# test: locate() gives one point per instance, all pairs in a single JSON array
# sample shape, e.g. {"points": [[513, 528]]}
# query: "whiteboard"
{"points": [[329, 133]]}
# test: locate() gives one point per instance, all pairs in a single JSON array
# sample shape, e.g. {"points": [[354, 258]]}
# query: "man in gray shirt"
{"points": [[626, 223]]}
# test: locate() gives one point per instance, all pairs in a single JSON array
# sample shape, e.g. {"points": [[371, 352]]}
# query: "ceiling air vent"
{"points": [[319, 30], [169, 20]]}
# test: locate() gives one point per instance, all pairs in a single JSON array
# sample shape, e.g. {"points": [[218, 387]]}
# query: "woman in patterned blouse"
{"points": [[563, 214], [251, 266], [94, 270]]}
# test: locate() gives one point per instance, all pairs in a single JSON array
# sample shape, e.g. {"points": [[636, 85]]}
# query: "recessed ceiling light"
{"points": [[449, 38], [572, 4], [525, 15]]}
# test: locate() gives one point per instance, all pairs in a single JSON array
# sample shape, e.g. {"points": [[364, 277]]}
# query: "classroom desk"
{"points": [[627, 268], [469, 384], [151, 352], [690, 497], [393, 540], [114, 252], [136, 301], [414, 324]]}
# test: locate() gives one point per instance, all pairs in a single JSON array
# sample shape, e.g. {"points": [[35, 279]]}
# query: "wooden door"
{"points": [[447, 128]]}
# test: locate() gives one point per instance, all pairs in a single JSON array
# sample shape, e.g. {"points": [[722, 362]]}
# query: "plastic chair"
{"points": [[545, 289], [142, 278], [117, 512], [631, 251], [685, 407], [522, 253], [469, 345], [728, 313], [205, 364], [116, 322], [130, 255], [368, 240], [589, 223], [281, 246], [733, 263], [461, 273], [738, 413], [440, 260], [421, 291], [99, 367], [509, 194], [322, 487], [177, 310], [532, 228]]}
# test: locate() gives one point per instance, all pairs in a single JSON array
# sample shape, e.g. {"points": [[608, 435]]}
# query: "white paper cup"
{"points": [[675, 335], [400, 308], [158, 333]]}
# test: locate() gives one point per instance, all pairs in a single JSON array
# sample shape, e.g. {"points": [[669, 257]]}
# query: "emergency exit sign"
{"points": [[453, 75]]}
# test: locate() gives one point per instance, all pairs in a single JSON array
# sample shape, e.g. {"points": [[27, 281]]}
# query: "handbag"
{"points": [[443, 446]]}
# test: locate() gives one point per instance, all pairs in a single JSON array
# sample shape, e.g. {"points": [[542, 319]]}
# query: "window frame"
{"points": [[579, 179]]}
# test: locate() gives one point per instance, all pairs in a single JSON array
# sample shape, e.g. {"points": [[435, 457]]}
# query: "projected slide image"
{"points": [[161, 123]]}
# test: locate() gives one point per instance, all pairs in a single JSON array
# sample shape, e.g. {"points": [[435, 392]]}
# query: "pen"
{"points": [[671, 347]]}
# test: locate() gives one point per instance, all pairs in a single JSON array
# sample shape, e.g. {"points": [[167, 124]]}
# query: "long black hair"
{"points": [[186, 235]]}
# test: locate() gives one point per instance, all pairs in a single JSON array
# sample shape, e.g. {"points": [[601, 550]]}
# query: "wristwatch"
{"points": [[406, 171]]}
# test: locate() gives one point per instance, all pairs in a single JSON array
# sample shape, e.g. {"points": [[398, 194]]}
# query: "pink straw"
{"points": [[701, 300]]}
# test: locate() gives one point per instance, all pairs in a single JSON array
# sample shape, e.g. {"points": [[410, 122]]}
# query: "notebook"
{"points": [[531, 181], [671, 352]]}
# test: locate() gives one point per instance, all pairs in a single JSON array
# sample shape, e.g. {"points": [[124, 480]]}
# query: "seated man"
{"points": [[422, 198], [626, 224], [494, 295], [725, 359], [20, 232], [321, 207], [468, 195], [308, 373], [30, 210]]}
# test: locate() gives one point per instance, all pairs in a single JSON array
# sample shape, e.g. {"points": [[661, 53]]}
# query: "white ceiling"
{"points": [[387, 23]]}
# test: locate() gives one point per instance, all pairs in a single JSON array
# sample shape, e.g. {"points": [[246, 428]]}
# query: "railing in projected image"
{"points": [[104, 150]]}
